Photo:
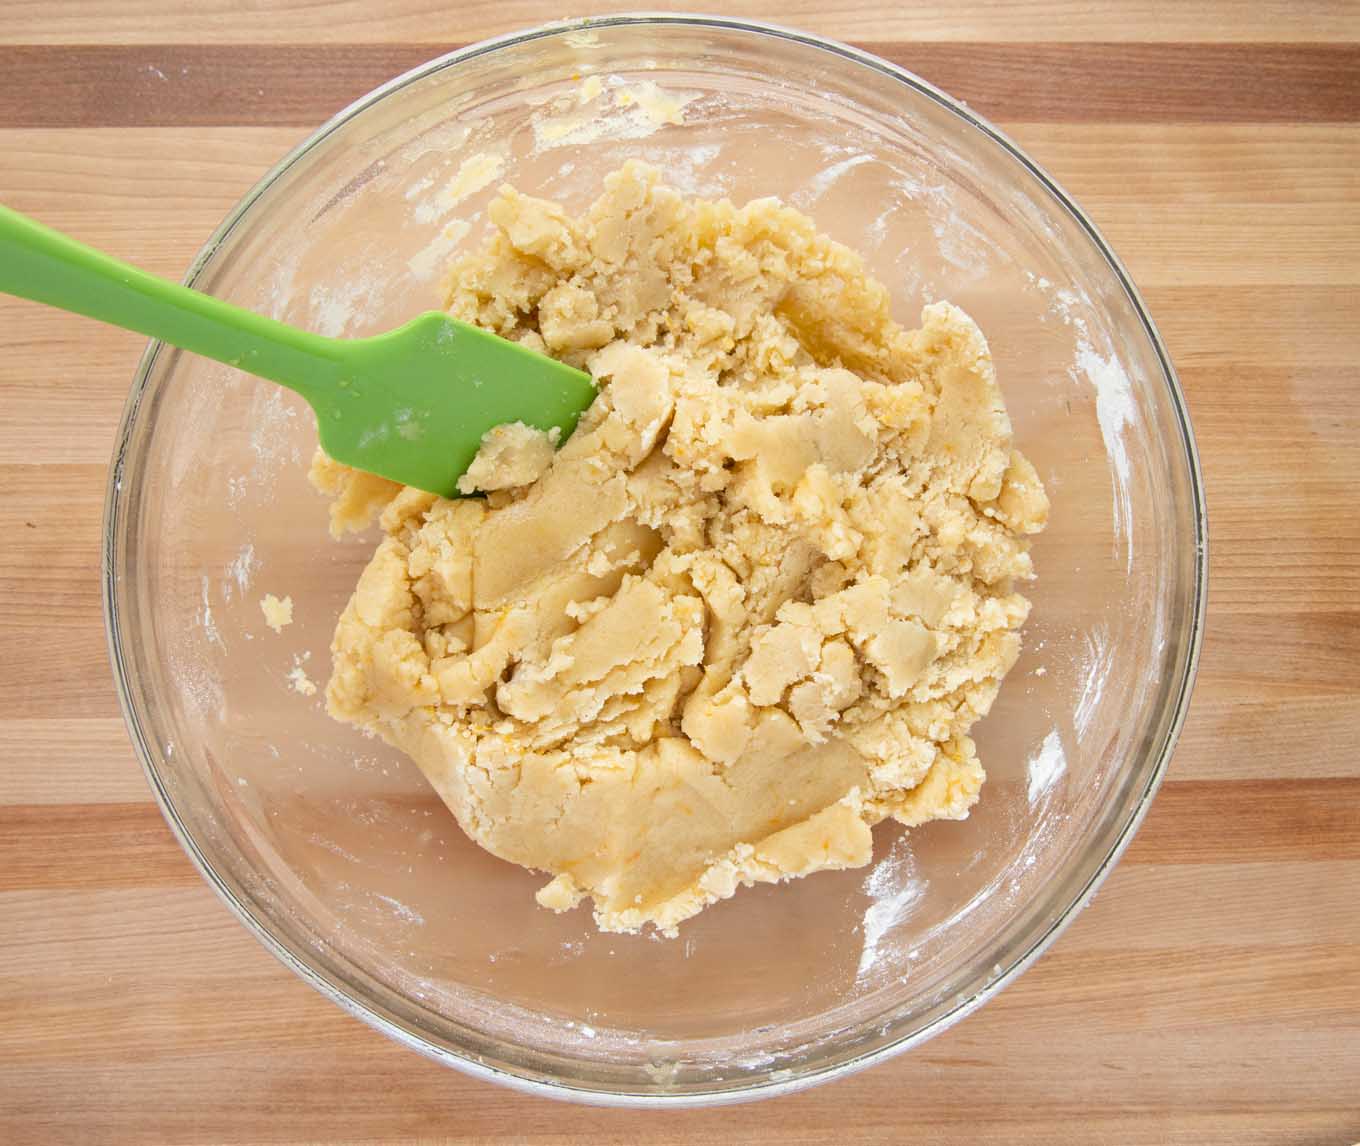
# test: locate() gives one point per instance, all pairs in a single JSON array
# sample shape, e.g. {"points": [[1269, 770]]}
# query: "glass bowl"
{"points": [[332, 849]]}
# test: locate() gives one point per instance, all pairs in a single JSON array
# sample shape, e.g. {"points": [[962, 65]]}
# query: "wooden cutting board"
{"points": [[1211, 994]]}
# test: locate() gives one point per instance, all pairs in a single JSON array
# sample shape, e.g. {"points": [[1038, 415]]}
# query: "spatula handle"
{"points": [[46, 266]]}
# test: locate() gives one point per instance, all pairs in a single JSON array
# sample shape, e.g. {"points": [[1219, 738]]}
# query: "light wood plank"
{"points": [[50, 624], [1275, 905], [99, 182], [352, 21], [1220, 244], [61, 760], [1203, 994], [1196, 165], [65, 379], [1271, 328], [1141, 1004], [1249, 731], [88, 171]]}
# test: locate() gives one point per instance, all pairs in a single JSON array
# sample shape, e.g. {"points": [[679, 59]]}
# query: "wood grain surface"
{"points": [[1211, 994]]}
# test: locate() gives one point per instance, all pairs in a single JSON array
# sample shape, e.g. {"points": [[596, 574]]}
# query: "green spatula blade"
{"points": [[414, 403], [411, 404]]}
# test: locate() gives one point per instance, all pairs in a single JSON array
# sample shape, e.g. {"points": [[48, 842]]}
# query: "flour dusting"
{"points": [[896, 889], [1115, 410], [239, 571], [1046, 767], [206, 619], [403, 912], [475, 173], [825, 179], [1099, 661], [335, 305], [1116, 406], [437, 254]]}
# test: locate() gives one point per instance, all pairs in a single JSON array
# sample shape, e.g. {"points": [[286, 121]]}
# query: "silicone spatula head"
{"points": [[414, 403], [411, 404]]}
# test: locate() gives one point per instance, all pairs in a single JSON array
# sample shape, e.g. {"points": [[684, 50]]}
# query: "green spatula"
{"points": [[411, 404]]}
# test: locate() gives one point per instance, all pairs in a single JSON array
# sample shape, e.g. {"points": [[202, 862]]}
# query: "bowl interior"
{"points": [[334, 843]]}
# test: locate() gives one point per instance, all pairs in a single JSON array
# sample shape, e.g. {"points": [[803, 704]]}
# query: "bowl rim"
{"points": [[114, 523]]}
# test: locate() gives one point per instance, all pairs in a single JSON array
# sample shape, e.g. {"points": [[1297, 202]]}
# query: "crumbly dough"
{"points": [[511, 455], [751, 608], [277, 612]]}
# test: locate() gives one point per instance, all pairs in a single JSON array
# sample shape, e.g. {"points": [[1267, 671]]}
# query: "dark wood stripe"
{"points": [[88, 847], [302, 84], [1251, 821], [1144, 83], [97, 846], [193, 85]]}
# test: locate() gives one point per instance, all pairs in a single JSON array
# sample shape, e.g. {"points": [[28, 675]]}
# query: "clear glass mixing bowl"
{"points": [[330, 846]]}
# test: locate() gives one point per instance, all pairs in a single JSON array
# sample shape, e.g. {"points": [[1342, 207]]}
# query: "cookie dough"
{"points": [[750, 609], [277, 612], [510, 455]]}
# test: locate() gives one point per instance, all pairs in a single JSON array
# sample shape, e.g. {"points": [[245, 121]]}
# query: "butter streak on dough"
{"points": [[750, 608]]}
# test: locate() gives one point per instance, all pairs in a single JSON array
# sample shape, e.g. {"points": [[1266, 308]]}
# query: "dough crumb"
{"points": [[301, 682], [510, 456], [560, 894], [749, 610], [277, 612]]}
